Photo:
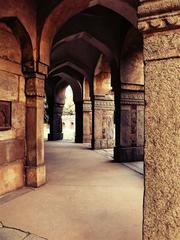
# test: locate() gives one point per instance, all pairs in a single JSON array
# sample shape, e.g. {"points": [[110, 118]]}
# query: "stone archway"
{"points": [[50, 29]]}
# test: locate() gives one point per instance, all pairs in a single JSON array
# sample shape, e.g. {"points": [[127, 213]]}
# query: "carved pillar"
{"points": [[79, 122], [56, 122], [35, 168], [87, 121], [131, 143], [162, 118], [103, 122]]}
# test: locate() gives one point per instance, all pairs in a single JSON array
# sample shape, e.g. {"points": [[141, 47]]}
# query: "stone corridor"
{"points": [[87, 196]]}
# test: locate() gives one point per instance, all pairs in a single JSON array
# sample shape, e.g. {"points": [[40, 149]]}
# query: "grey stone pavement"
{"points": [[8, 233]]}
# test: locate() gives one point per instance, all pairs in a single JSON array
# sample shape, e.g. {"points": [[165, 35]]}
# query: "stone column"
{"points": [[131, 119], [162, 118], [35, 168], [79, 122], [103, 122], [56, 122], [87, 121]]}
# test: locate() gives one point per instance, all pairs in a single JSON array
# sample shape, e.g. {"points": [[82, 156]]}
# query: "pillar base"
{"points": [[55, 137], [128, 154], [78, 140], [36, 176], [103, 143]]}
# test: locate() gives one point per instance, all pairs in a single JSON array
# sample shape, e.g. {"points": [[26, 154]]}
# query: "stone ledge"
{"points": [[149, 8]]}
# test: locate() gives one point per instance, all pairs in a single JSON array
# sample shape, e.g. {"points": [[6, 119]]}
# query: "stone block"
{"points": [[11, 150], [12, 177], [18, 119], [169, 42], [35, 176], [11, 67], [9, 86], [22, 97]]}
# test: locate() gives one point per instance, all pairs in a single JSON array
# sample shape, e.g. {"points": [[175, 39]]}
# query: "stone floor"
{"points": [[87, 197], [136, 166], [7, 233]]}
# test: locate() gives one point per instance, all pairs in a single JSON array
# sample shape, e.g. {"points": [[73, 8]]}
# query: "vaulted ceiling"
{"points": [[79, 44]]}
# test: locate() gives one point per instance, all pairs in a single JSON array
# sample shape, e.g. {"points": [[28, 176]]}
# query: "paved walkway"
{"points": [[87, 197]]}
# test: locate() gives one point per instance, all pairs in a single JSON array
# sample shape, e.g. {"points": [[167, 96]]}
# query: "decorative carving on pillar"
{"points": [[159, 15], [35, 87], [103, 102], [87, 106], [132, 98], [103, 122], [129, 146]]}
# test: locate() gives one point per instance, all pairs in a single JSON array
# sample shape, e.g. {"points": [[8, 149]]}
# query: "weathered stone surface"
{"points": [[36, 176], [103, 123], [9, 86], [168, 41], [12, 150], [132, 64], [33, 237], [11, 234], [87, 126], [12, 176], [18, 119], [155, 16], [22, 97], [17, 130], [35, 87], [11, 67], [35, 141], [140, 125], [162, 150], [9, 47]]}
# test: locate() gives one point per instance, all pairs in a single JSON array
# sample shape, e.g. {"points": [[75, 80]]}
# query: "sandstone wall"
{"points": [[12, 141]]}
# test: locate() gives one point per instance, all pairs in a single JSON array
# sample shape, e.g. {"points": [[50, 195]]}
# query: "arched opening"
{"points": [[94, 47], [68, 117], [100, 57]]}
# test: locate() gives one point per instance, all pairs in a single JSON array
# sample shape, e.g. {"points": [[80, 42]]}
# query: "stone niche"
{"points": [[5, 115], [12, 113]]}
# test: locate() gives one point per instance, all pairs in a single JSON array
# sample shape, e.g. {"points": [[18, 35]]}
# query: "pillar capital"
{"points": [[35, 85], [155, 16]]}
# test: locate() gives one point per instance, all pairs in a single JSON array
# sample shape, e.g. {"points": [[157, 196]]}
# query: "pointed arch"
{"points": [[65, 10]]}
